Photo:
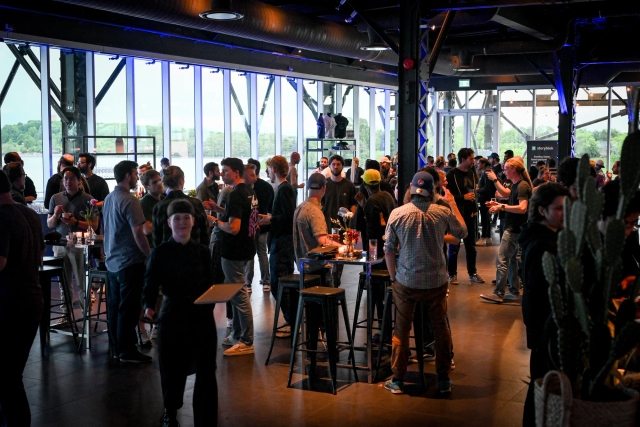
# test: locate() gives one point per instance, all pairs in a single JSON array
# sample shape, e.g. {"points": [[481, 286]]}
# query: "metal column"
{"points": [[91, 105], [197, 112], [45, 112], [226, 105], [408, 90], [277, 110], [252, 79], [131, 101], [166, 111]]}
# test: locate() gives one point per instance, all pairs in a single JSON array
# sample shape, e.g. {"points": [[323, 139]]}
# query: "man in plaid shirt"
{"points": [[415, 234]]}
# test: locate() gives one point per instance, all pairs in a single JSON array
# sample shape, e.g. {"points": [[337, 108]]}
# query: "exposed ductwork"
{"points": [[261, 22]]}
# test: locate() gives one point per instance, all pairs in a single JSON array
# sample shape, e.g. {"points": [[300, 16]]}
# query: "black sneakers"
{"points": [[169, 420]]}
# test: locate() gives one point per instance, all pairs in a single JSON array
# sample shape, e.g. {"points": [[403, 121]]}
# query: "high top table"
{"points": [[363, 261], [86, 310]]}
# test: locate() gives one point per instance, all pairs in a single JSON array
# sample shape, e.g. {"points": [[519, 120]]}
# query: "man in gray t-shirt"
{"points": [[126, 248], [309, 227]]}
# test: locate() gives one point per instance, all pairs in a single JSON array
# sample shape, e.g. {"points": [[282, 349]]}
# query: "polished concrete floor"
{"points": [[68, 389]]}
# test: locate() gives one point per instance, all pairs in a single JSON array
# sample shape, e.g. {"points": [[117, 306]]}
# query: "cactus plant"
{"points": [[587, 348]]}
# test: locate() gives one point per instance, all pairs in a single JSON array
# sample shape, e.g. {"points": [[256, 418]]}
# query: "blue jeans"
{"points": [[123, 306], [507, 263], [263, 259], [241, 303]]}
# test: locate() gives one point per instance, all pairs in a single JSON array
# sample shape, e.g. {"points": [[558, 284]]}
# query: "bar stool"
{"points": [[378, 278], [101, 276], [46, 273], [417, 330], [290, 281], [329, 299]]}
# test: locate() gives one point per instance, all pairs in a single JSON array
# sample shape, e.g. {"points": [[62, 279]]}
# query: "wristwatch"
{"points": [[503, 207], [494, 181]]}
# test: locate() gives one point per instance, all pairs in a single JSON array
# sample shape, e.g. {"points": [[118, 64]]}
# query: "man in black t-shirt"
{"points": [[462, 183], [21, 304], [515, 216], [282, 256], [264, 194], [99, 187], [238, 225]]}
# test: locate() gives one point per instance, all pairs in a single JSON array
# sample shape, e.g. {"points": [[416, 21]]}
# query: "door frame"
{"points": [[466, 114]]}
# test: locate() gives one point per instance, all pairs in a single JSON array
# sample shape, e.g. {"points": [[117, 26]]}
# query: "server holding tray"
{"points": [[187, 337]]}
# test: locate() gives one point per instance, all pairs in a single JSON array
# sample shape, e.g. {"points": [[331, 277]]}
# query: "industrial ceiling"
{"points": [[494, 43]]}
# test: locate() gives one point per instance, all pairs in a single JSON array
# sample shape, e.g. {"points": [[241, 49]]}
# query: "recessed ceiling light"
{"points": [[221, 10]]}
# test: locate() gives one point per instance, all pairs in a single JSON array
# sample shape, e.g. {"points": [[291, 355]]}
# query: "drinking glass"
{"points": [[336, 232], [373, 249]]}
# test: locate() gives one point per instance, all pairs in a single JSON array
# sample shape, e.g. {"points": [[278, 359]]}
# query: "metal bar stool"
{"points": [[329, 299], [417, 330], [101, 276], [46, 273], [290, 281], [380, 278]]}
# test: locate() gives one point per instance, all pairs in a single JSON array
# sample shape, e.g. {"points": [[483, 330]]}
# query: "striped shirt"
{"points": [[415, 232]]}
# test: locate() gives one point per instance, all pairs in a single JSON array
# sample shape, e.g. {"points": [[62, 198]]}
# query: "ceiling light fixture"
{"points": [[221, 10], [351, 17], [375, 42]]}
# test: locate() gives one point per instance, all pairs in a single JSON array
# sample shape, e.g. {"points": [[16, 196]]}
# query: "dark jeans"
{"points": [[485, 219], [17, 336], [469, 247], [125, 292], [281, 262], [187, 343]]}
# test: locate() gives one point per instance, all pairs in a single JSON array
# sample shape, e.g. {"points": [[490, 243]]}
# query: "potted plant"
{"points": [[582, 391]]}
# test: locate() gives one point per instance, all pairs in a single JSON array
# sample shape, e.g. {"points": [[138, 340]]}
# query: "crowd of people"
{"points": [[164, 249]]}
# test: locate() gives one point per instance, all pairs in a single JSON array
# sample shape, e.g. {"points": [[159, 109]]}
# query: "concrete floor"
{"points": [[68, 389]]}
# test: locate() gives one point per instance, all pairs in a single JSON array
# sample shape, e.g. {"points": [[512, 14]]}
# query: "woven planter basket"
{"points": [[556, 407]]}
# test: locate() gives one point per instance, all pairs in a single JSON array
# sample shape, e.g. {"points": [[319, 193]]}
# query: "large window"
{"points": [[310, 109], [382, 148], [516, 119], [591, 122], [148, 106], [619, 123], [111, 97], [266, 119], [213, 115], [182, 122], [240, 116], [546, 114], [20, 113], [363, 110], [289, 117]]}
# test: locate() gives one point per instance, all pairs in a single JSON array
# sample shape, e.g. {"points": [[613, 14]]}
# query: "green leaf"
{"points": [[583, 171], [566, 212], [581, 312], [594, 200], [578, 224], [557, 304], [629, 162], [614, 240], [566, 246], [623, 343], [549, 268], [593, 238], [574, 274]]}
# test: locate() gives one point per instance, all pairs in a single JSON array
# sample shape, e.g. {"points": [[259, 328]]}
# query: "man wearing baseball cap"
{"points": [[386, 172], [415, 235]]}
